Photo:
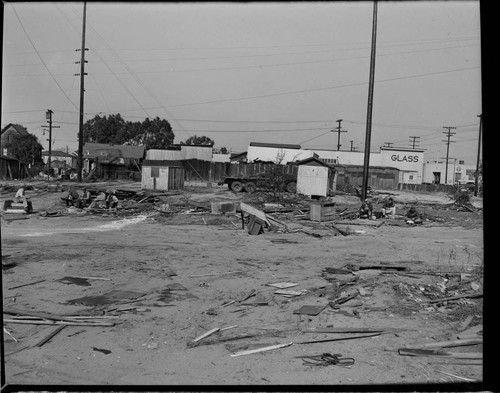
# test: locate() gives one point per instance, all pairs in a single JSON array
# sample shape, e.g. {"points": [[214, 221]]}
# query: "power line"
{"points": [[41, 59], [321, 88]]}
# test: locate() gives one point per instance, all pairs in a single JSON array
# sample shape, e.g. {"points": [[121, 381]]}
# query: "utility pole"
{"points": [[48, 116], [82, 90], [448, 136], [339, 131], [366, 162], [413, 141], [476, 180], [351, 146]]}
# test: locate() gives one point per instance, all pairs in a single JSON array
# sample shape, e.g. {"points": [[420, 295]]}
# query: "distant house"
{"points": [[238, 157], [9, 132], [112, 161]]}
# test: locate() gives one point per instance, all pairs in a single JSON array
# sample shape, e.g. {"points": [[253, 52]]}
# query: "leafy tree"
{"points": [[113, 129], [222, 150], [153, 134], [107, 129], [199, 140], [25, 148]]}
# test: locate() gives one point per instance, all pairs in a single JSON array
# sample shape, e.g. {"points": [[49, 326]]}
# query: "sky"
{"points": [[277, 72]]}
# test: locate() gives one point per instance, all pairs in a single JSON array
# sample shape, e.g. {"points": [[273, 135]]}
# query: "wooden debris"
{"points": [[25, 285], [254, 212], [92, 278], [339, 339], [446, 299], [210, 332], [456, 376], [283, 285], [264, 349], [341, 330], [9, 333], [343, 232], [42, 322], [433, 352], [215, 274], [440, 344], [50, 335]]}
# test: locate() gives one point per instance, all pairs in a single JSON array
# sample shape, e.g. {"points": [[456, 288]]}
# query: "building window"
{"points": [[155, 171], [411, 177], [461, 162]]}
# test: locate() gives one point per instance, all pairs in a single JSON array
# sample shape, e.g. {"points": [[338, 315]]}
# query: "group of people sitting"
{"points": [[389, 210], [108, 199]]}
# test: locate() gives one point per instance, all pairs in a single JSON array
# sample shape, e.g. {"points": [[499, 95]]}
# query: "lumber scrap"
{"points": [[445, 299], [210, 332], [264, 349], [25, 285], [254, 212], [339, 338], [431, 352], [50, 335]]}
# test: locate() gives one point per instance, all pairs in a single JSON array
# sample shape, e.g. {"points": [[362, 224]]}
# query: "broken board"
{"points": [[310, 310]]}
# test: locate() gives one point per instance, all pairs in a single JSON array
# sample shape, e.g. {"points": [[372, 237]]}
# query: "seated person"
{"points": [[413, 216], [85, 199], [366, 209], [389, 207], [21, 197], [111, 200], [72, 197]]}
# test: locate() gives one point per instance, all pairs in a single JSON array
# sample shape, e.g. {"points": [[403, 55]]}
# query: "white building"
{"points": [[181, 152], [276, 152], [410, 162], [458, 171]]}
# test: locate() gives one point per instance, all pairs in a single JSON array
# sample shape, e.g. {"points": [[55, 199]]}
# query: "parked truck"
{"points": [[263, 181]]}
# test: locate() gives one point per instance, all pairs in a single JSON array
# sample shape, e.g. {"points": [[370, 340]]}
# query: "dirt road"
{"points": [[167, 278]]}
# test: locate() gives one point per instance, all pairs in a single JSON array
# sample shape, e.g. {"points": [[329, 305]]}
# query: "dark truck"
{"points": [[263, 181]]}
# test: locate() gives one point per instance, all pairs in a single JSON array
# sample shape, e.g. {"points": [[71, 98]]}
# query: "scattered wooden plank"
{"points": [[25, 285], [42, 322], [432, 352], [210, 332], [338, 339], [283, 285], [264, 349], [254, 212], [50, 335], [343, 232], [457, 376], [342, 330], [92, 278], [215, 274], [445, 299], [439, 344]]}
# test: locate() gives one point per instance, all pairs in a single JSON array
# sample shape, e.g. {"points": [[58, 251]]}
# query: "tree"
{"points": [[199, 140], [222, 150], [153, 134], [111, 130], [25, 148]]}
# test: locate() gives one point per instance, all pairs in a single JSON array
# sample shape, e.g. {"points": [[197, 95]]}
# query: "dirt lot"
{"points": [[178, 271]]}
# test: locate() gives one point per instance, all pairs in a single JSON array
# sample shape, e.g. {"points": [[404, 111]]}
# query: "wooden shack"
{"points": [[315, 177], [162, 175]]}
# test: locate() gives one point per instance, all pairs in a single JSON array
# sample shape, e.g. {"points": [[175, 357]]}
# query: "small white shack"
{"points": [[315, 177], [162, 175]]}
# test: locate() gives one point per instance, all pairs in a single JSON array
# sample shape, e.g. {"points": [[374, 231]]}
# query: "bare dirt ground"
{"points": [[182, 271]]}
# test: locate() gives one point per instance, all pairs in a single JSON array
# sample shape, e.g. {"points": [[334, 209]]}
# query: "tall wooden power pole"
{"points": [[82, 90], [448, 136], [366, 162], [48, 116], [476, 178], [339, 131]]}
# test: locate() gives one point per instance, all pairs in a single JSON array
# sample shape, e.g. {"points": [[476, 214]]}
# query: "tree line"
{"points": [[112, 129]]}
